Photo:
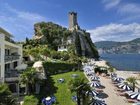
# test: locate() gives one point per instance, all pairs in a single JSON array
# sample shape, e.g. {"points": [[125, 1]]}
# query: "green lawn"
{"points": [[63, 94]]}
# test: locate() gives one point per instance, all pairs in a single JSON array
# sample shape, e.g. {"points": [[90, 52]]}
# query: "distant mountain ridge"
{"points": [[113, 47]]}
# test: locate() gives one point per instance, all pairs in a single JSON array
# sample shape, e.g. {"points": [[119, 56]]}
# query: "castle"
{"points": [[73, 24], [80, 37]]}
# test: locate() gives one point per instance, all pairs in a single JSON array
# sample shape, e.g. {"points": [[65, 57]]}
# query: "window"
{"points": [[15, 64]]}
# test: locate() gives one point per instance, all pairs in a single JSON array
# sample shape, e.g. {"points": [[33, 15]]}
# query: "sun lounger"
{"points": [[121, 94], [120, 90], [99, 90], [131, 100]]}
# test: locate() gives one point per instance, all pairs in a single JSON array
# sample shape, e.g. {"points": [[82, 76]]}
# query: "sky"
{"points": [[106, 20]]}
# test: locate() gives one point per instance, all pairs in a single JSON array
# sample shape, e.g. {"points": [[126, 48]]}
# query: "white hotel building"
{"points": [[10, 57]]}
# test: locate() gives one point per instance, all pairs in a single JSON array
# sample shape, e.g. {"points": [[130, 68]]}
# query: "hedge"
{"points": [[59, 67]]}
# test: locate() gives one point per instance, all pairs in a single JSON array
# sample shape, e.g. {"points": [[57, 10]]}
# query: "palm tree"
{"points": [[79, 86], [29, 77], [133, 81], [6, 97]]}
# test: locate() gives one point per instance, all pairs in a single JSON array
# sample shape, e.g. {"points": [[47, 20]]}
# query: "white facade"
{"points": [[10, 57], [62, 48]]}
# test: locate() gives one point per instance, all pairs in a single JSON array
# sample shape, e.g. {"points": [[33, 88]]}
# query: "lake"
{"points": [[126, 62]]}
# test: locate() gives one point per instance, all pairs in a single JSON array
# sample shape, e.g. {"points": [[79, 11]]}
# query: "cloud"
{"points": [[129, 11], [18, 22], [111, 3], [115, 32], [129, 8]]}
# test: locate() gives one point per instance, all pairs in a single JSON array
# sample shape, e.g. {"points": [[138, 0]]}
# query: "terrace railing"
{"points": [[11, 57], [11, 75]]}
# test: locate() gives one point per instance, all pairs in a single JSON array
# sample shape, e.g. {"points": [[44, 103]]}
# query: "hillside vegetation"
{"points": [[132, 46], [48, 36]]}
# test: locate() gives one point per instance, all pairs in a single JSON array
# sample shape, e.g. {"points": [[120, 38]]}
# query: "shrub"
{"points": [[6, 97], [30, 100]]}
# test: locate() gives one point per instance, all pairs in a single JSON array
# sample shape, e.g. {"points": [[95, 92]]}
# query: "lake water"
{"points": [[127, 62]]}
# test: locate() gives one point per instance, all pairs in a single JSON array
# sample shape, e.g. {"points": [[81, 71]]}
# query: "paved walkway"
{"points": [[113, 98]]}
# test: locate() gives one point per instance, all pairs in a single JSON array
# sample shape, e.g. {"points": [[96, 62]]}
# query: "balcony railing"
{"points": [[11, 57], [9, 40], [11, 75]]}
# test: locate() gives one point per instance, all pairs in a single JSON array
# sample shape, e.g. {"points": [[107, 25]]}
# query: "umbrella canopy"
{"points": [[21, 67], [98, 102], [113, 75], [94, 78], [118, 79], [89, 73], [125, 86], [86, 68], [92, 93], [136, 95], [37, 64], [48, 98], [130, 93], [95, 84]]}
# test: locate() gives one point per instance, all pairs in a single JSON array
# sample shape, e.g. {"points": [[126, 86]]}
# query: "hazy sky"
{"points": [[117, 20]]}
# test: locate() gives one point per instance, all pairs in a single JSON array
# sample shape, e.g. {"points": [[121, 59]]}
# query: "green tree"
{"points": [[6, 97], [29, 77], [133, 81]]}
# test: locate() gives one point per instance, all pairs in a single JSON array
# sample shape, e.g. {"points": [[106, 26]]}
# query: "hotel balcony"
{"points": [[11, 57], [11, 75], [9, 39]]}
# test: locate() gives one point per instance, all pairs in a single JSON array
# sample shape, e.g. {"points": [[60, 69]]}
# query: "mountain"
{"points": [[112, 47]]}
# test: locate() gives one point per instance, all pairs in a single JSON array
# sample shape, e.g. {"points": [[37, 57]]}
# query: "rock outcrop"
{"points": [[55, 35]]}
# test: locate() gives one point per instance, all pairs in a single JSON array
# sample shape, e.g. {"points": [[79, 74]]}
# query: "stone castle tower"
{"points": [[73, 24], [81, 38]]}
